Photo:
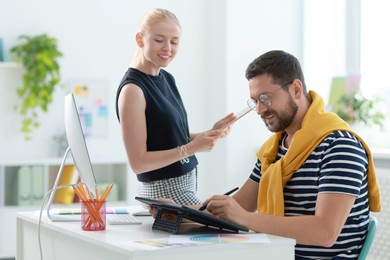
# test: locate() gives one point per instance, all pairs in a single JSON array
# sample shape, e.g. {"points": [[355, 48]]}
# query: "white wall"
{"points": [[247, 29], [219, 40], [324, 43], [96, 38], [254, 29]]}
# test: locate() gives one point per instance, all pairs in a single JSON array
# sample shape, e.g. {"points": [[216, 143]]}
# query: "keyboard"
{"points": [[122, 219]]}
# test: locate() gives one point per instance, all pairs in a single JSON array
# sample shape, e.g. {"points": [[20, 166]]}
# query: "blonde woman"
{"points": [[159, 146]]}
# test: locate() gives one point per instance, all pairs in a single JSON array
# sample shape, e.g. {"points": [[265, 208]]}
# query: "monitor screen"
{"points": [[76, 142], [78, 149]]}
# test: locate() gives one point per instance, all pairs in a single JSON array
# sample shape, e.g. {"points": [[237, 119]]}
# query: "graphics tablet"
{"points": [[183, 211]]}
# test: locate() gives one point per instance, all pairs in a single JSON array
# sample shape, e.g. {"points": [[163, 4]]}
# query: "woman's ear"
{"points": [[138, 39]]}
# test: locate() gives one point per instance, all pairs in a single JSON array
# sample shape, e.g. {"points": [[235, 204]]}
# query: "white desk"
{"points": [[66, 240]]}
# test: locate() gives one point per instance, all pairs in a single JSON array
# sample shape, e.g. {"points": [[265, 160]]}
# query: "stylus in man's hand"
{"points": [[227, 193]]}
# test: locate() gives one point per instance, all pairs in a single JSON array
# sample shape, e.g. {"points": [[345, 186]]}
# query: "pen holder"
{"points": [[93, 215]]}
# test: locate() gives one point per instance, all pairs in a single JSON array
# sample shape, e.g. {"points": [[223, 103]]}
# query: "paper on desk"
{"points": [[218, 238], [152, 244], [77, 211], [193, 240]]}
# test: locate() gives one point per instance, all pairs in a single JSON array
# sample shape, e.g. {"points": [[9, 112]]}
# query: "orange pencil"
{"points": [[96, 193], [81, 187], [79, 193], [89, 193], [93, 211], [107, 191]]}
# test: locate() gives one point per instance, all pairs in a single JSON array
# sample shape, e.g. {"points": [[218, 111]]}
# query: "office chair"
{"points": [[369, 238]]}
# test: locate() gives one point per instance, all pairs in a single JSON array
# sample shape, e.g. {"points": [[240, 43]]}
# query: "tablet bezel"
{"points": [[193, 214]]}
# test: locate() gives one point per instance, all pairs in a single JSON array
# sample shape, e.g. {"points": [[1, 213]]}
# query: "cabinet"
{"points": [[105, 170]]}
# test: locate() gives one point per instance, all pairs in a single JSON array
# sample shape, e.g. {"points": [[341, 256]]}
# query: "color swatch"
{"points": [[219, 238]]}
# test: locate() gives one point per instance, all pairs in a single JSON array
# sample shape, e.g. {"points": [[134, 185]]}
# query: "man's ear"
{"points": [[138, 39], [297, 88]]}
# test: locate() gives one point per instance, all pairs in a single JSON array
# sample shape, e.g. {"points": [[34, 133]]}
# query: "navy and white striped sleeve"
{"points": [[343, 166], [255, 174]]}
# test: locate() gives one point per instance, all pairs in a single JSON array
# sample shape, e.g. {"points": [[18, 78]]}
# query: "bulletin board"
{"points": [[92, 105]]}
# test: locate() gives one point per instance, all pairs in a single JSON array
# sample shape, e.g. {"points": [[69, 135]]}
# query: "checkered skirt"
{"points": [[182, 190]]}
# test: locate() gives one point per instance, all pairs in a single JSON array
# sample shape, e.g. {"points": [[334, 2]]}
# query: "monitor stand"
{"points": [[56, 217]]}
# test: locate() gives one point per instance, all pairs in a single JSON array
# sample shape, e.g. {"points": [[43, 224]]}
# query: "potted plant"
{"points": [[355, 108], [39, 58]]}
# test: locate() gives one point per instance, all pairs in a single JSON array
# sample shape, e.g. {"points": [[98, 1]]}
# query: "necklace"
{"points": [[181, 115]]}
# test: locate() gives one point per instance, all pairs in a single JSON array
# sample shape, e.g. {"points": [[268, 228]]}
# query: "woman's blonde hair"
{"points": [[157, 15]]}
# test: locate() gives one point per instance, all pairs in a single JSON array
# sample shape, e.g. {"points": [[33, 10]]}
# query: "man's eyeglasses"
{"points": [[265, 99]]}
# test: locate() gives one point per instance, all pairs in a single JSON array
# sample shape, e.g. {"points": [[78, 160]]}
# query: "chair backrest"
{"points": [[369, 238]]}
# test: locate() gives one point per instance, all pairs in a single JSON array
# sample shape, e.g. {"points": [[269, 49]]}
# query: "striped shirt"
{"points": [[337, 165]]}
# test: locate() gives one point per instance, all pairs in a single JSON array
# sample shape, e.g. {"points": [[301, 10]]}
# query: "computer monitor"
{"points": [[78, 149]]}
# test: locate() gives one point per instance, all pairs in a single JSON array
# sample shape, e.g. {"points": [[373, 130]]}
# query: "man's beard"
{"points": [[284, 118]]}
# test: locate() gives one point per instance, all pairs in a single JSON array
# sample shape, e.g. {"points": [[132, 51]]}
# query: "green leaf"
{"points": [[357, 108], [39, 56]]}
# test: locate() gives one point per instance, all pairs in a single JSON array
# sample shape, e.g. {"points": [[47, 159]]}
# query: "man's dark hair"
{"points": [[281, 66]]}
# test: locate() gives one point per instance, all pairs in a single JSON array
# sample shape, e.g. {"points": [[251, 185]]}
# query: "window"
{"points": [[375, 58], [343, 38]]}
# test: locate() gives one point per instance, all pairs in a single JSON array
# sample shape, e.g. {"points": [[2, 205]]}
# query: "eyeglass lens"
{"points": [[264, 99]]}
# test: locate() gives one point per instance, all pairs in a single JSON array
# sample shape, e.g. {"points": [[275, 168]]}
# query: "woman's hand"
{"points": [[224, 125], [221, 123], [203, 142]]}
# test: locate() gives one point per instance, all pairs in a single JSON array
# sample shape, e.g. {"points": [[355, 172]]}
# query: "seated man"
{"points": [[314, 179]]}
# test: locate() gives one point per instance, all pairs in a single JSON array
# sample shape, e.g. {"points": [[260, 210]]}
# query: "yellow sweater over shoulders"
{"points": [[316, 125]]}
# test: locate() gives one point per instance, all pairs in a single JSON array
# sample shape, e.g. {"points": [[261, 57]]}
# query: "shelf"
{"points": [[106, 170], [381, 157], [381, 153], [11, 194], [10, 65], [57, 160]]}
